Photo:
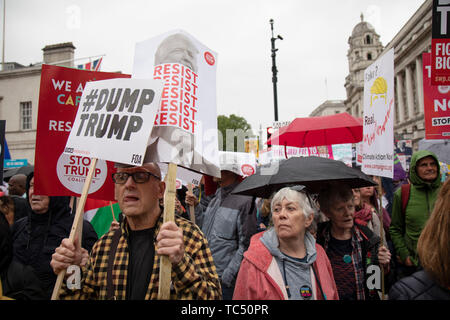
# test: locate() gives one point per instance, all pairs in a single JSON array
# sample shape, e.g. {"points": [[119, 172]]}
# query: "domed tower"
{"points": [[365, 47]]}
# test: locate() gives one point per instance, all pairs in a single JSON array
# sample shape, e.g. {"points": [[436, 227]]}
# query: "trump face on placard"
{"points": [[177, 48], [185, 127]]}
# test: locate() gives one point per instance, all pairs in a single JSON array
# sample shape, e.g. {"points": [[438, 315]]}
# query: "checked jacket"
{"points": [[195, 277]]}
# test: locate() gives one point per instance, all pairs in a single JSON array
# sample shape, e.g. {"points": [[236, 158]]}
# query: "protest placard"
{"points": [[440, 43], [115, 115], [436, 104], [378, 127], [184, 176], [185, 129], [59, 97], [241, 163]]}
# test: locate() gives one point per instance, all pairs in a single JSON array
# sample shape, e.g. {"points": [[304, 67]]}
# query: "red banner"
{"points": [[440, 43], [440, 69], [436, 104], [58, 174]]}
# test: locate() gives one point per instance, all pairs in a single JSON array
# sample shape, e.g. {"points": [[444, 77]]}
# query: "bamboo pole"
{"points": [[77, 226], [165, 266]]}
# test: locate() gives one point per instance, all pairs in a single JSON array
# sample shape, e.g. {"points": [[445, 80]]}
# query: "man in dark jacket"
{"points": [[38, 235]]}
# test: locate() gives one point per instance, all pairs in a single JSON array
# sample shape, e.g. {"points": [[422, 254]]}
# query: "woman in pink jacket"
{"points": [[285, 262]]}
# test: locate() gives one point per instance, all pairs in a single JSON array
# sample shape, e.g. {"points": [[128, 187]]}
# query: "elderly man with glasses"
{"points": [[124, 263]]}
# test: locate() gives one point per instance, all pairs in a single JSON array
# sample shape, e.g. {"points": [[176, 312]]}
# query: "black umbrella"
{"points": [[26, 170], [313, 172]]}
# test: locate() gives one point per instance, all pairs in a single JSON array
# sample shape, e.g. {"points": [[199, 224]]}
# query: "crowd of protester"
{"points": [[334, 245]]}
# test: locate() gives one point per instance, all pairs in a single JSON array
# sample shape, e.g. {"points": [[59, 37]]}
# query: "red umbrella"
{"points": [[319, 131]]}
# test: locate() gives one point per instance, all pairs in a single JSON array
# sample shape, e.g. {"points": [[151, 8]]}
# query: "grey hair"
{"points": [[334, 193], [294, 196]]}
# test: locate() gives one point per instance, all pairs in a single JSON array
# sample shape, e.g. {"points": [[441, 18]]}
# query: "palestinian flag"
{"points": [[99, 214]]}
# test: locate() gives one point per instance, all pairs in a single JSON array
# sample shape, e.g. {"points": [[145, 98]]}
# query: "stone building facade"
{"points": [[19, 98], [409, 43], [329, 107]]}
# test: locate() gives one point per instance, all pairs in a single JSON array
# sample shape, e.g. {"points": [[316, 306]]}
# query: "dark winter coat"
{"points": [[36, 237], [18, 281], [419, 286]]}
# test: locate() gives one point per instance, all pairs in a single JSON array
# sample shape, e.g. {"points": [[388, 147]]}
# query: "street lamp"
{"points": [[274, 70]]}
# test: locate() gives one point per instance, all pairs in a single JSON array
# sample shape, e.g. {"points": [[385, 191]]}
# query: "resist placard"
{"points": [[185, 129]]}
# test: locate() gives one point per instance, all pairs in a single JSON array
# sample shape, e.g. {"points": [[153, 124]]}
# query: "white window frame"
{"points": [[26, 116]]}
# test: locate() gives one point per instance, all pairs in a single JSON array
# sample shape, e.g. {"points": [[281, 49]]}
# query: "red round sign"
{"points": [[209, 58], [247, 169]]}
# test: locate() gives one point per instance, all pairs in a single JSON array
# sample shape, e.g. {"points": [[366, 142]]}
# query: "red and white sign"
{"points": [[241, 163], [58, 174], [440, 43], [436, 104], [185, 129]]}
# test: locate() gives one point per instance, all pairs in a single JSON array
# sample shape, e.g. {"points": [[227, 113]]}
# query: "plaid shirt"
{"points": [[358, 254], [195, 277]]}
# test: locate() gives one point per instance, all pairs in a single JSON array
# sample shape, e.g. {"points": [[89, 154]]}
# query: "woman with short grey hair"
{"points": [[285, 262]]}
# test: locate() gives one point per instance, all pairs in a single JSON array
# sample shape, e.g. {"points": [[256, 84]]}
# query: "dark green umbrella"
{"points": [[315, 173]]}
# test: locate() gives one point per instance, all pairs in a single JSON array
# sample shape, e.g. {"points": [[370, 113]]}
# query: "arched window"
{"points": [[369, 56], [368, 39]]}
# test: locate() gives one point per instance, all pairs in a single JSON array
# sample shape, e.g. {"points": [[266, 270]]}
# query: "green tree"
{"points": [[232, 132]]}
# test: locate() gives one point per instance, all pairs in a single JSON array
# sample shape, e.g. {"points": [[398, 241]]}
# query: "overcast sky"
{"points": [[312, 54]]}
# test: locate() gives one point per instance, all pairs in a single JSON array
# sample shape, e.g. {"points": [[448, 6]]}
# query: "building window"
{"points": [[368, 39], [369, 56], [25, 115]]}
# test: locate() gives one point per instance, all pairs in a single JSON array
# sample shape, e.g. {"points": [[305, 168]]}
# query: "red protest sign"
{"points": [[441, 58], [58, 174], [436, 104], [440, 43]]}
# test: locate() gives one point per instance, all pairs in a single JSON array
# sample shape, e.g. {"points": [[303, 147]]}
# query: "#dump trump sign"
{"points": [[115, 119]]}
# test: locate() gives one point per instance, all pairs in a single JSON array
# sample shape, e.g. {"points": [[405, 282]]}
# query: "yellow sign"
{"points": [[378, 90]]}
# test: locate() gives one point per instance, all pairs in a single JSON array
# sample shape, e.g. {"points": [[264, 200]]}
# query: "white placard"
{"points": [[184, 175], [379, 110], [185, 131], [241, 163], [114, 120]]}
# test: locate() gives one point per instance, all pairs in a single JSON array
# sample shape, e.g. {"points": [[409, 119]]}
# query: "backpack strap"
{"points": [[112, 255], [406, 189]]}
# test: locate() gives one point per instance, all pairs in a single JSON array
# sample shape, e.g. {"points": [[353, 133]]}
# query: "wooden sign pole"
{"points": [[77, 226], [191, 208], [112, 211], [165, 266], [380, 214]]}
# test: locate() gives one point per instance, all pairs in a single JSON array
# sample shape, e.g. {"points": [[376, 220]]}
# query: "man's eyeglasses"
{"points": [[138, 177]]}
